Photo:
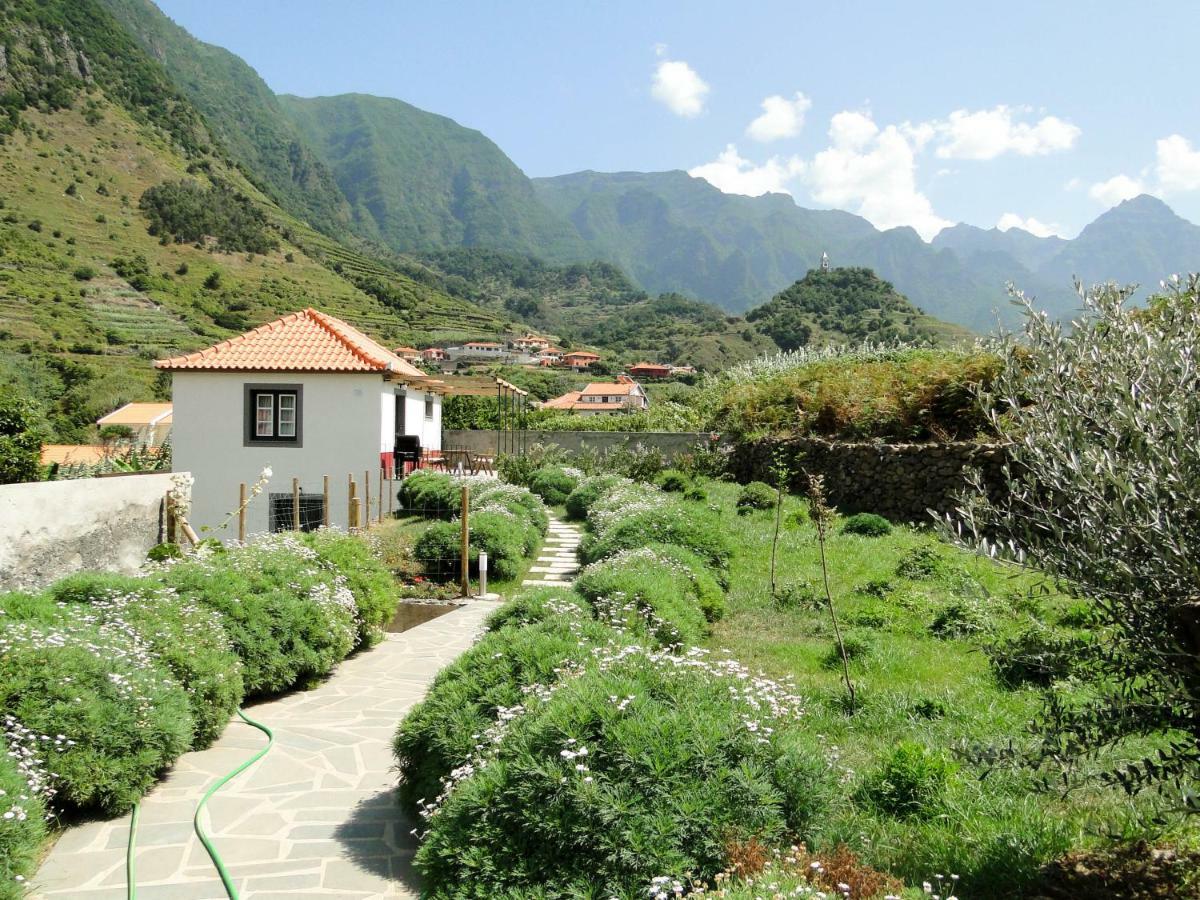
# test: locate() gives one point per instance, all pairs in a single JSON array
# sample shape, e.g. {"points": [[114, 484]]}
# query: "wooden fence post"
{"points": [[352, 510], [242, 513], [171, 523], [295, 504], [366, 498], [325, 501], [391, 492], [465, 518], [379, 508]]}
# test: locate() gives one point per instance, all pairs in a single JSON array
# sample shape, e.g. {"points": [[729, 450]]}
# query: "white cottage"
{"points": [[307, 396]]}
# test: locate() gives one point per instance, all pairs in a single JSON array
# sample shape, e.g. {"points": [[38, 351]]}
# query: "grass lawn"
{"points": [[923, 678]]}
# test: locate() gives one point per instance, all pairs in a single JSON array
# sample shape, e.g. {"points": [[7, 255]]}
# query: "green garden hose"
{"points": [[226, 880], [220, 783]]}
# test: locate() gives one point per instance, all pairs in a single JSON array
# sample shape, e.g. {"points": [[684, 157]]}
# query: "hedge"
{"points": [[660, 592], [553, 484], [105, 680], [588, 491], [692, 528]]}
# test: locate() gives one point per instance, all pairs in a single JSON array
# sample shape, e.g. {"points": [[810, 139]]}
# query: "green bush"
{"points": [[289, 617], [430, 494], [867, 525], [674, 482], [444, 731], [698, 531], [373, 587], [504, 537], [640, 766], [22, 822], [920, 563], [20, 439], [94, 699], [538, 605], [553, 484], [911, 781], [186, 637], [756, 495], [587, 492], [513, 498], [658, 591], [1038, 655], [696, 494], [960, 618], [858, 647]]}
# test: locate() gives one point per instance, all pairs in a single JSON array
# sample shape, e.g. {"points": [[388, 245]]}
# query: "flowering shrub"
{"points": [[188, 638], [22, 819], [538, 605], [669, 523], [553, 484], [429, 494], [374, 591], [514, 498], [90, 708], [661, 592], [451, 724], [289, 617], [587, 492], [620, 501], [643, 762]]}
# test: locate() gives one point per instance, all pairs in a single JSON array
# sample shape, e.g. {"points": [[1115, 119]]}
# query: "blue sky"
{"points": [[908, 113]]}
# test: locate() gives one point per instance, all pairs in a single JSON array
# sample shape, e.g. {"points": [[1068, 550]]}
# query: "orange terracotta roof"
{"points": [[600, 388], [138, 414], [306, 341], [583, 353], [564, 402], [74, 454]]}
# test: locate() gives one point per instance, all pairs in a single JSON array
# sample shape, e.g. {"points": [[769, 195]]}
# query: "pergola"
{"points": [[512, 403]]}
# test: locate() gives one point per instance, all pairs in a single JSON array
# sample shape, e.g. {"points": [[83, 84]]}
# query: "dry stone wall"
{"points": [[900, 481]]}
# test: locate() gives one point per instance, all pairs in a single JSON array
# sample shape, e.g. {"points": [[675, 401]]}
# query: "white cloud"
{"points": [[873, 172], [1116, 189], [781, 118], [677, 86], [988, 133], [1178, 164], [1032, 225], [734, 174]]}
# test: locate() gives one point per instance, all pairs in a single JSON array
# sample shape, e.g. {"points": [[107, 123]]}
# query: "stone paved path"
{"points": [[315, 817], [558, 562]]}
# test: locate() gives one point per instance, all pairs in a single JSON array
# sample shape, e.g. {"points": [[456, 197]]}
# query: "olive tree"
{"points": [[20, 440], [1103, 495]]}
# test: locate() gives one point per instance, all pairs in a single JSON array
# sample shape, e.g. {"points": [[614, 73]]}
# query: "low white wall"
{"points": [[49, 529]]}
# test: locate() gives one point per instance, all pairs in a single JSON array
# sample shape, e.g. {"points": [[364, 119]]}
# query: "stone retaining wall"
{"points": [[900, 481], [49, 529]]}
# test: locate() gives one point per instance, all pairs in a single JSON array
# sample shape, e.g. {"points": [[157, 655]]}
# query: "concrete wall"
{"points": [[669, 442], [341, 428], [900, 481], [49, 529]]}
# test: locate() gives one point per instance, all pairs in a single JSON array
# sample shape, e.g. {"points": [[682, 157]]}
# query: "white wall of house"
{"points": [[341, 428], [429, 430]]}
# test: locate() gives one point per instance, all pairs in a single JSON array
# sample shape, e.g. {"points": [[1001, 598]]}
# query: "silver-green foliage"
{"points": [[1103, 495]]}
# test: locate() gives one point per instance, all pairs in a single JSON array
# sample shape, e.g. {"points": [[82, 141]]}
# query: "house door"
{"points": [[400, 404]]}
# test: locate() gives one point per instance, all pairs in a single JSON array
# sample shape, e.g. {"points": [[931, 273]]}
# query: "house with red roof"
{"points": [[649, 370], [623, 395], [306, 396], [580, 359]]}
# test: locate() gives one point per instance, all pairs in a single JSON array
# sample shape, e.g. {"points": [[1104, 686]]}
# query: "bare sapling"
{"points": [[823, 517]]}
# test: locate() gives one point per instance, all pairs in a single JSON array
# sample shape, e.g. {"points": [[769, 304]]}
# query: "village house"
{"points": [[306, 396], [580, 359], [531, 343], [149, 423], [408, 354], [478, 350], [623, 395], [650, 370], [433, 354]]}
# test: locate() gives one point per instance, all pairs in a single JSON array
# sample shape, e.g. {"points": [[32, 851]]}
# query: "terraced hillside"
{"points": [[82, 282]]}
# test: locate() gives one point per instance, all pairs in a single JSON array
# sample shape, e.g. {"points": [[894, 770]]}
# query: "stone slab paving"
{"points": [[558, 562], [316, 817]]}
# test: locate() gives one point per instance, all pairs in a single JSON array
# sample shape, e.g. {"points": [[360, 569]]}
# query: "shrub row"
{"points": [[582, 749], [566, 756], [105, 680], [507, 523]]}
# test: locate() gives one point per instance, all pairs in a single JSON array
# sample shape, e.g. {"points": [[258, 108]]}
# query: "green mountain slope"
{"points": [[596, 304], [838, 306], [88, 296], [419, 181], [243, 113], [1140, 240]]}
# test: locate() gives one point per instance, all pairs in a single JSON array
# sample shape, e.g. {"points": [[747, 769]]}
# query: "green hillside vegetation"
{"points": [[243, 114], [840, 306], [419, 181], [89, 296], [597, 305]]}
